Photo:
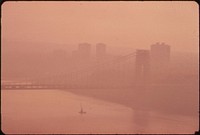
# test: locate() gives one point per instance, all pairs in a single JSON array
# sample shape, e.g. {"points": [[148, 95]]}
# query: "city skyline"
{"points": [[99, 67]]}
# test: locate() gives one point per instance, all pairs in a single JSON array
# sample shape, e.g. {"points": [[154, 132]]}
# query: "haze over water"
{"points": [[32, 111], [99, 67]]}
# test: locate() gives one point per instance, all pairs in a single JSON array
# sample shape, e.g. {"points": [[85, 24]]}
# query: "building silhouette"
{"points": [[100, 50], [84, 50], [160, 58], [160, 53]]}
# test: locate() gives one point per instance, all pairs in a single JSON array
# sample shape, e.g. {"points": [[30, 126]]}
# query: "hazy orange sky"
{"points": [[133, 24]]}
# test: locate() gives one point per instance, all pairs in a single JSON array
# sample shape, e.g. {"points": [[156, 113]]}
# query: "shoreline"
{"points": [[148, 103]]}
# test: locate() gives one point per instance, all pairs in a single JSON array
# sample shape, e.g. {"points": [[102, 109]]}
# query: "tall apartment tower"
{"points": [[142, 65], [100, 50], [160, 57], [84, 50]]}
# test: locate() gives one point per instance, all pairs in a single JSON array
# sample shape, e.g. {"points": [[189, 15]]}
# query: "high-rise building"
{"points": [[160, 53], [100, 50], [160, 57], [84, 50]]}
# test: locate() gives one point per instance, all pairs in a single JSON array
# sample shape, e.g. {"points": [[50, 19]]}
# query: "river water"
{"points": [[57, 112]]}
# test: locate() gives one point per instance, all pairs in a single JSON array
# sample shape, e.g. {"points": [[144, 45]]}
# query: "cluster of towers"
{"points": [[153, 62], [148, 63], [84, 50]]}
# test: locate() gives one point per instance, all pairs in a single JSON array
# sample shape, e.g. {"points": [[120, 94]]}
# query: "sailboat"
{"points": [[82, 112]]}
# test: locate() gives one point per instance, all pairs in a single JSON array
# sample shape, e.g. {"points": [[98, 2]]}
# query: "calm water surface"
{"points": [[57, 111]]}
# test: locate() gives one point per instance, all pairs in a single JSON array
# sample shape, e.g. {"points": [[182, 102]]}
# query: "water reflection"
{"points": [[141, 121], [56, 111], [141, 112]]}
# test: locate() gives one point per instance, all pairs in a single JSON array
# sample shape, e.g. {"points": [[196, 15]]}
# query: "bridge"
{"points": [[31, 86], [85, 77]]}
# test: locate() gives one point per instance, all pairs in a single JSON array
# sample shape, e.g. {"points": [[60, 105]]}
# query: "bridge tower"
{"points": [[142, 66]]}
